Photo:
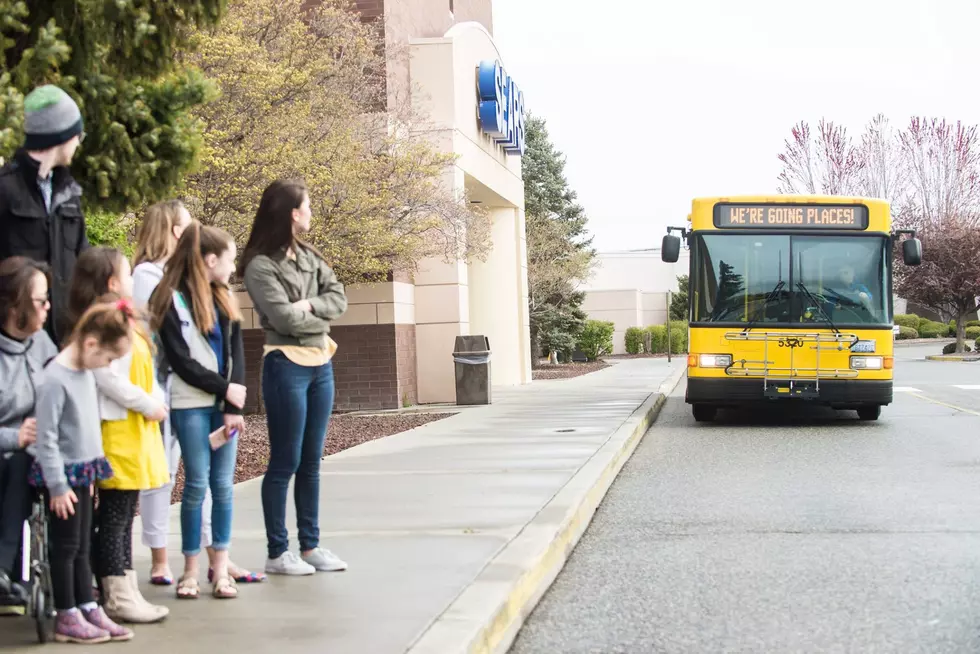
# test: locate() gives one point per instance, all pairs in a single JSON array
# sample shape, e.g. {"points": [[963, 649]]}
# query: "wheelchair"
{"points": [[36, 570]]}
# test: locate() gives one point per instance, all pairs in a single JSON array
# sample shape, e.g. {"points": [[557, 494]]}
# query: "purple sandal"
{"points": [[249, 578], [162, 580]]}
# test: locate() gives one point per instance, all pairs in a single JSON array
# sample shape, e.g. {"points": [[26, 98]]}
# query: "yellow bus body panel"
{"points": [[702, 212], [712, 340]]}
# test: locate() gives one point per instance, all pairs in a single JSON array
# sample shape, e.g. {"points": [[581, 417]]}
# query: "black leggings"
{"points": [[71, 573], [15, 508], [114, 545]]}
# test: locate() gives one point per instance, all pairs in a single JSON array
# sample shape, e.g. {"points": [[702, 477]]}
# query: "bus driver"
{"points": [[846, 288]]}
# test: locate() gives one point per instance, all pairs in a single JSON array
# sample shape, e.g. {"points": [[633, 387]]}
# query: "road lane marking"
{"points": [[905, 389], [945, 404], [967, 387]]}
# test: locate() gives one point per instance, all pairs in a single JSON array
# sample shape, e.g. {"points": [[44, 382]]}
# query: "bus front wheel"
{"points": [[869, 412], [704, 412]]}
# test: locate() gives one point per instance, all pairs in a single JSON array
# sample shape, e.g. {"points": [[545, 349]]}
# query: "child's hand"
{"points": [[236, 395], [304, 305], [64, 505], [159, 414], [27, 433], [234, 421]]}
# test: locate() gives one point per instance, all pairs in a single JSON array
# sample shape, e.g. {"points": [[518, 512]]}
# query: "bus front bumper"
{"points": [[838, 393]]}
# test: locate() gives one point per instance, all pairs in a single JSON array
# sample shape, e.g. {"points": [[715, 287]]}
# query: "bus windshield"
{"points": [[768, 278]]}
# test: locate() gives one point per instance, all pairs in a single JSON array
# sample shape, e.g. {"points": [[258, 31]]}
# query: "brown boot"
{"points": [[134, 583], [121, 604]]}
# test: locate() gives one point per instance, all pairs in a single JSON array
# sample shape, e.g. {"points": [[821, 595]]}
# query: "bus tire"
{"points": [[869, 412], [704, 412]]}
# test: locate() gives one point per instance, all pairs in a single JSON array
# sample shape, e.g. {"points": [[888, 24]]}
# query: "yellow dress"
{"points": [[134, 446]]}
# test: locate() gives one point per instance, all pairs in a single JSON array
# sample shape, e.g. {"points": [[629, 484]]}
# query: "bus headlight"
{"points": [[714, 360], [867, 363]]}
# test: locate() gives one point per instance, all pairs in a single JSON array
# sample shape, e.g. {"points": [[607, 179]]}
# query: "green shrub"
{"points": [[977, 344], [973, 333], [973, 323], [109, 230], [596, 339], [658, 338], [932, 329], [635, 337], [678, 337], [907, 320], [907, 333], [950, 348]]}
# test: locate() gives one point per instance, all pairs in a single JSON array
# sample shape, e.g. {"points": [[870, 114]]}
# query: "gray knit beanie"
{"points": [[51, 118]]}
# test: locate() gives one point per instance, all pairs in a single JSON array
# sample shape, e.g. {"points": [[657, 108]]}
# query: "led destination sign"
{"points": [[792, 216]]}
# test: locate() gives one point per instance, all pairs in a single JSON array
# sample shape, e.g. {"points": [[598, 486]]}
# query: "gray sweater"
{"points": [[69, 430], [21, 372]]}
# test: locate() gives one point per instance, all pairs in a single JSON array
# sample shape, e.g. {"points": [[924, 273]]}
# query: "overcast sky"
{"points": [[655, 102]]}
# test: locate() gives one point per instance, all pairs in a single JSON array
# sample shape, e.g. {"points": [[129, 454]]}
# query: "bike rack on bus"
{"points": [[802, 382]]}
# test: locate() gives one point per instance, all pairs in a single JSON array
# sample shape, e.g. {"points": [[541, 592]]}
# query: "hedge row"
{"points": [[653, 339], [925, 328]]}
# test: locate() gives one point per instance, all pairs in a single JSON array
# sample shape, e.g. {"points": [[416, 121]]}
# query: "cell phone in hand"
{"points": [[220, 437]]}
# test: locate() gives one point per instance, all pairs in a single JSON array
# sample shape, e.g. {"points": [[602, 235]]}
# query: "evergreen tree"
{"points": [[678, 300], [560, 254], [119, 60]]}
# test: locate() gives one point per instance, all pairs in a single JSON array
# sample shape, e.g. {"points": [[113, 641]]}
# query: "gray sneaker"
{"points": [[289, 564], [324, 561]]}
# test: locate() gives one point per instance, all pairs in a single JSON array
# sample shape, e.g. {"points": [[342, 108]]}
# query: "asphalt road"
{"points": [[809, 532]]}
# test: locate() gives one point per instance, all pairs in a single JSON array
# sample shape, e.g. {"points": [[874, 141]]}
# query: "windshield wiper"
{"points": [[770, 296], [810, 296], [826, 315]]}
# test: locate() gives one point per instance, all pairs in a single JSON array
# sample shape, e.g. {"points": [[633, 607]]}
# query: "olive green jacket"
{"points": [[275, 282]]}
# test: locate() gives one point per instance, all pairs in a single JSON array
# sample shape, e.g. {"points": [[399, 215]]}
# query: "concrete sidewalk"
{"points": [[452, 531]]}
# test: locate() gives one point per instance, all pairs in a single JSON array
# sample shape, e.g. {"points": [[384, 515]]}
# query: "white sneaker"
{"points": [[324, 561], [289, 564]]}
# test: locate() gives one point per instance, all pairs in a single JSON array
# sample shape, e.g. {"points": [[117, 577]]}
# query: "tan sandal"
{"points": [[224, 588], [188, 588]]}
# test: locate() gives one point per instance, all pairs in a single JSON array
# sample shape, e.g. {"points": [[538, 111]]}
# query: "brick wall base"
{"points": [[374, 368], [254, 342]]}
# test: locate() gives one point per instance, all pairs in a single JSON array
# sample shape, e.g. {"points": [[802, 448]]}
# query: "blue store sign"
{"points": [[501, 107]]}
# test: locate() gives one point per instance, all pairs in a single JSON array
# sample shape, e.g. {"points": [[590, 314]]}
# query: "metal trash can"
{"points": [[472, 357]]}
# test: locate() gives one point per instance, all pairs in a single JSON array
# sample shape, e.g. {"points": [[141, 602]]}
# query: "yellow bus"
{"points": [[790, 299]]}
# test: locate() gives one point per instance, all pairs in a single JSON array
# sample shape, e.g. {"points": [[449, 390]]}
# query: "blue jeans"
{"points": [[298, 403], [203, 468]]}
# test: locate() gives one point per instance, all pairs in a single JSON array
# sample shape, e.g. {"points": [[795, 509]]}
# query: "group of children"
{"points": [[83, 425], [152, 373]]}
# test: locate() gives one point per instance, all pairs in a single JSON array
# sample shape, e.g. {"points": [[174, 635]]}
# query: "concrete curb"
{"points": [[487, 615], [956, 358], [927, 341]]}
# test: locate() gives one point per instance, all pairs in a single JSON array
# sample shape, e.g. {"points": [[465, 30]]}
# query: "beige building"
{"points": [[396, 340], [629, 289]]}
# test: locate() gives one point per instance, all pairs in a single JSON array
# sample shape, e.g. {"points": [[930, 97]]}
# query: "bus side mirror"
{"points": [[670, 249], [912, 252]]}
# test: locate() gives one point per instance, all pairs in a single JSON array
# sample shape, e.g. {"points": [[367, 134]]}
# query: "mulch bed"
{"points": [[566, 371], [345, 432]]}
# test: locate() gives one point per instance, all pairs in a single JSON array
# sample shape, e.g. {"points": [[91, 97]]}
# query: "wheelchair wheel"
{"points": [[42, 594], [44, 614]]}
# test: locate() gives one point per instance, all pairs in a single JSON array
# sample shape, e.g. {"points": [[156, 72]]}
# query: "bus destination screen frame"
{"points": [[791, 216]]}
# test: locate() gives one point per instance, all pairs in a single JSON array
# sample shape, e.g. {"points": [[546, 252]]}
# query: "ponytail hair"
{"points": [[109, 320], [155, 240], [187, 272]]}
